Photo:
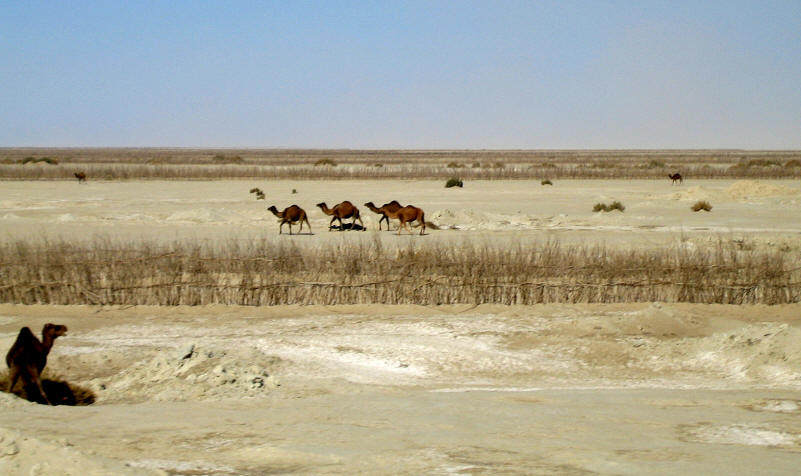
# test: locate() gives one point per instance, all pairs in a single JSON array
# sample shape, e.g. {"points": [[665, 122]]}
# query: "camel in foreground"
{"points": [[81, 176], [409, 214], [392, 206], [291, 214], [28, 356], [676, 178], [340, 211]]}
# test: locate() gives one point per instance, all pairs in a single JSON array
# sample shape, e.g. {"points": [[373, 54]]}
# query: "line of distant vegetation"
{"points": [[211, 164]]}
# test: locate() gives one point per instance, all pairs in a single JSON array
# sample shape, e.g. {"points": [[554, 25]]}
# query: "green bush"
{"points": [[454, 182]]}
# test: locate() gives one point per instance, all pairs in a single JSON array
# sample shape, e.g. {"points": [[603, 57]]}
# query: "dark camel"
{"points": [[80, 176], [28, 356], [409, 214], [676, 178], [291, 214], [392, 206], [340, 211]]}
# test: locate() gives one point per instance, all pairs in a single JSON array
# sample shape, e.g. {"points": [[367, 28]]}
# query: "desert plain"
{"points": [[370, 388]]}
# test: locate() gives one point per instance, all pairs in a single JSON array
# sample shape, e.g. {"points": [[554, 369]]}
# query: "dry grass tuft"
{"points": [[546, 182], [602, 207], [701, 205]]}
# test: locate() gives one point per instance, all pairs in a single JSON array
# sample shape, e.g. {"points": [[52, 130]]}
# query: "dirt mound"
{"points": [[24, 455], [190, 373], [745, 189]]}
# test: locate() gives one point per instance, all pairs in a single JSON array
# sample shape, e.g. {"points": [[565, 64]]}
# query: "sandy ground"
{"points": [[556, 389], [657, 212]]}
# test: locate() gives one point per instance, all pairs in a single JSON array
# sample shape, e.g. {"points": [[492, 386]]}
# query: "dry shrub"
{"points": [[263, 272], [602, 207], [701, 205], [546, 182], [326, 161], [792, 163], [455, 165]]}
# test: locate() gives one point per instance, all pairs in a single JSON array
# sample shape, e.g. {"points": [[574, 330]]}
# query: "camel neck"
{"points": [[47, 343]]}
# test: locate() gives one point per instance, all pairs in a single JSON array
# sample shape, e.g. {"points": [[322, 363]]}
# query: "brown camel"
{"points": [[409, 214], [81, 176], [676, 178], [392, 206], [340, 211], [28, 356], [291, 214]]}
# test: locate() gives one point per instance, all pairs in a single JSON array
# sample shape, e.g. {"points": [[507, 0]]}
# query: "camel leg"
{"points": [[309, 226], [290, 228], [14, 377], [331, 223], [41, 389], [341, 225], [360, 221], [280, 228]]}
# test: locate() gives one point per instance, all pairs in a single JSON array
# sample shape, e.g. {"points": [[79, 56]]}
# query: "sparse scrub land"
{"points": [[210, 164], [701, 205], [267, 273]]}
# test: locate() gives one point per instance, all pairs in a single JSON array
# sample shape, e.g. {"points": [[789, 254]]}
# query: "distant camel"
{"points": [[28, 356], [290, 215], [80, 176], [676, 178], [409, 214], [340, 211], [392, 206]]}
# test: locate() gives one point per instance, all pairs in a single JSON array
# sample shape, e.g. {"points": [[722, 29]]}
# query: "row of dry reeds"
{"points": [[270, 273], [515, 171]]}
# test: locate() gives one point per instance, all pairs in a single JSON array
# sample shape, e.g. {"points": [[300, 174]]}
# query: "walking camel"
{"points": [[291, 214], [392, 206], [28, 356], [81, 176], [676, 178], [340, 211], [409, 214]]}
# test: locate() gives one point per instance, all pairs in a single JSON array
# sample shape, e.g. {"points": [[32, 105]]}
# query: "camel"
{"points": [[409, 214], [28, 356], [392, 206], [291, 214], [340, 211], [676, 178], [81, 176]]}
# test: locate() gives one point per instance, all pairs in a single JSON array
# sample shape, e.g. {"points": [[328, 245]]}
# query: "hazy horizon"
{"points": [[507, 75]]}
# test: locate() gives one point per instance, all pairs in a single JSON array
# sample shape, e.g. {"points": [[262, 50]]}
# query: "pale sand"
{"points": [[656, 211], [557, 389], [564, 389]]}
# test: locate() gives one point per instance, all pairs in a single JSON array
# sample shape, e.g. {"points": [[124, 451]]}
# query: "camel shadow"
{"points": [[347, 226], [59, 392]]}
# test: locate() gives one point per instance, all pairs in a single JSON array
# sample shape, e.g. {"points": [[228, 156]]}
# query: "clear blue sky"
{"points": [[394, 74]]}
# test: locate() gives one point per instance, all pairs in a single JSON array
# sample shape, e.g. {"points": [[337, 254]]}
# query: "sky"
{"points": [[401, 74]]}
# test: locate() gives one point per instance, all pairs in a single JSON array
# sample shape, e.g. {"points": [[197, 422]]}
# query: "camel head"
{"points": [[370, 205], [272, 208], [322, 205], [54, 330]]}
